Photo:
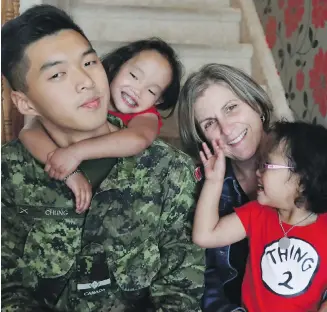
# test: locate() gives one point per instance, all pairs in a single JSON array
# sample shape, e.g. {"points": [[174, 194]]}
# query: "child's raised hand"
{"points": [[214, 165], [61, 162], [82, 191]]}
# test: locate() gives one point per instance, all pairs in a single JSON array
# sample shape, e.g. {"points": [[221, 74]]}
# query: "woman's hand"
{"points": [[214, 165]]}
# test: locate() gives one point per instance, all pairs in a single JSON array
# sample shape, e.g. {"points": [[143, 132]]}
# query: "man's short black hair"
{"points": [[306, 151], [17, 34]]}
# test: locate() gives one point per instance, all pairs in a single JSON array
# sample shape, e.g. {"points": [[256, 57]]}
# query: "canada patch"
{"points": [[198, 174]]}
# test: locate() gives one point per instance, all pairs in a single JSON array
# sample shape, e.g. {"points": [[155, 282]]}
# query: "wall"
{"points": [[11, 120], [296, 32]]}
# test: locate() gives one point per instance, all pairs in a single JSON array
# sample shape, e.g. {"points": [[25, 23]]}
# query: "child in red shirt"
{"points": [[143, 76], [287, 225]]}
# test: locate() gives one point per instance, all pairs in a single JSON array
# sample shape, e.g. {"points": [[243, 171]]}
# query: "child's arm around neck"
{"points": [[36, 140], [142, 130]]}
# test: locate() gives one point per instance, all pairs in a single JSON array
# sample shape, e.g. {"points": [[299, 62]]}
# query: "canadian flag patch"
{"points": [[198, 174]]}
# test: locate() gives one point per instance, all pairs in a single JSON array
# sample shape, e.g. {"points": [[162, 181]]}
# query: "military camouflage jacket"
{"points": [[132, 251]]}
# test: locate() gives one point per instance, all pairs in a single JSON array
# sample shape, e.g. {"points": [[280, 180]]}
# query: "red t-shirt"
{"points": [[126, 118], [277, 280]]}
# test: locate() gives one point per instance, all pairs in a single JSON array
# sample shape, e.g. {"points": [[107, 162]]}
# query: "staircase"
{"points": [[201, 31]]}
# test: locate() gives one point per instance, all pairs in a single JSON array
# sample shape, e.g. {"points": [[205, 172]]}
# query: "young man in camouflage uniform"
{"points": [[132, 251]]}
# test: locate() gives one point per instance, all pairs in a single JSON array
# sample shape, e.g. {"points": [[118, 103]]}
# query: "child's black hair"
{"points": [[306, 151], [113, 61]]}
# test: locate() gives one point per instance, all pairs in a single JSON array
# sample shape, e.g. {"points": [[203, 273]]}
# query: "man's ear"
{"points": [[23, 104]]}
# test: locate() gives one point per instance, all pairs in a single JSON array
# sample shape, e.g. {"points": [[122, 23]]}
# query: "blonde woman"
{"points": [[221, 103]]}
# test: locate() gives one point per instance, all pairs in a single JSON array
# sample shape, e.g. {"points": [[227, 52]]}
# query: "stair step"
{"points": [[117, 24], [188, 5], [195, 56]]}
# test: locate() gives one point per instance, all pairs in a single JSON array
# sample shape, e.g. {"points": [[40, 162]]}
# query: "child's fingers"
{"points": [[47, 167], [216, 147], [206, 150], [50, 155], [52, 173], [203, 158], [86, 203], [82, 202], [88, 199], [64, 169], [221, 144], [56, 174], [82, 207], [77, 198], [62, 174]]}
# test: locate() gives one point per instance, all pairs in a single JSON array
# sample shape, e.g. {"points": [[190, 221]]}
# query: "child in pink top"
{"points": [[143, 76], [287, 225]]}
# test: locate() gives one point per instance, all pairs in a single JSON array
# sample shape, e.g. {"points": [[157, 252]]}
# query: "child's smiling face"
{"points": [[140, 82], [277, 187]]}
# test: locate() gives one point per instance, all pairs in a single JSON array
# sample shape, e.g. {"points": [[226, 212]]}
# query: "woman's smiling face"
{"points": [[222, 116]]}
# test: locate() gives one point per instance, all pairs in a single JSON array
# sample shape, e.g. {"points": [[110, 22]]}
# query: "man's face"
{"points": [[67, 84]]}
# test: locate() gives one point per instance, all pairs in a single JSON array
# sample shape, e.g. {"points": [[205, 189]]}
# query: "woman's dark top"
{"points": [[225, 266]]}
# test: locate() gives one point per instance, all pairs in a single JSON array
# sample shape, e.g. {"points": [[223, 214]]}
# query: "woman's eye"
{"points": [[133, 76], [208, 124], [230, 108], [152, 92]]}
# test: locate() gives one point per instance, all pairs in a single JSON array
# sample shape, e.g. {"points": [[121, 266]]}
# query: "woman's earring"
{"points": [[262, 117]]}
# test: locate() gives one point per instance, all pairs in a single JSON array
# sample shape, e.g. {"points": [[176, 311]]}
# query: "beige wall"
{"points": [[296, 32], [11, 120]]}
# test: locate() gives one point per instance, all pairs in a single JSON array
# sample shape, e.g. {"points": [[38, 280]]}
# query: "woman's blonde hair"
{"points": [[243, 86]]}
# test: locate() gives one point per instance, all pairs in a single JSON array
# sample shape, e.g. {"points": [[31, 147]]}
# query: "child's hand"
{"points": [[323, 307], [214, 165], [82, 191], [61, 162]]}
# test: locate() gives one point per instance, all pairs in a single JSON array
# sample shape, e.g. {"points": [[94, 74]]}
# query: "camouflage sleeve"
{"points": [[179, 286], [14, 229]]}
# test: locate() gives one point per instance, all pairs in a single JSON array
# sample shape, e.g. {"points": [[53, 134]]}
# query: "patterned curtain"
{"points": [[11, 120]]}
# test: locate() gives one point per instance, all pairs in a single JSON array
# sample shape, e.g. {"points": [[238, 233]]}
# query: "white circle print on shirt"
{"points": [[289, 272]]}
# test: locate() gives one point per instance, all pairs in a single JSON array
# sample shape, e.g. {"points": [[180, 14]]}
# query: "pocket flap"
{"points": [[51, 246], [137, 268]]}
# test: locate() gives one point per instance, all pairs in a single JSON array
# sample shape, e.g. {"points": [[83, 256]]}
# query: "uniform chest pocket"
{"points": [[51, 246]]}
